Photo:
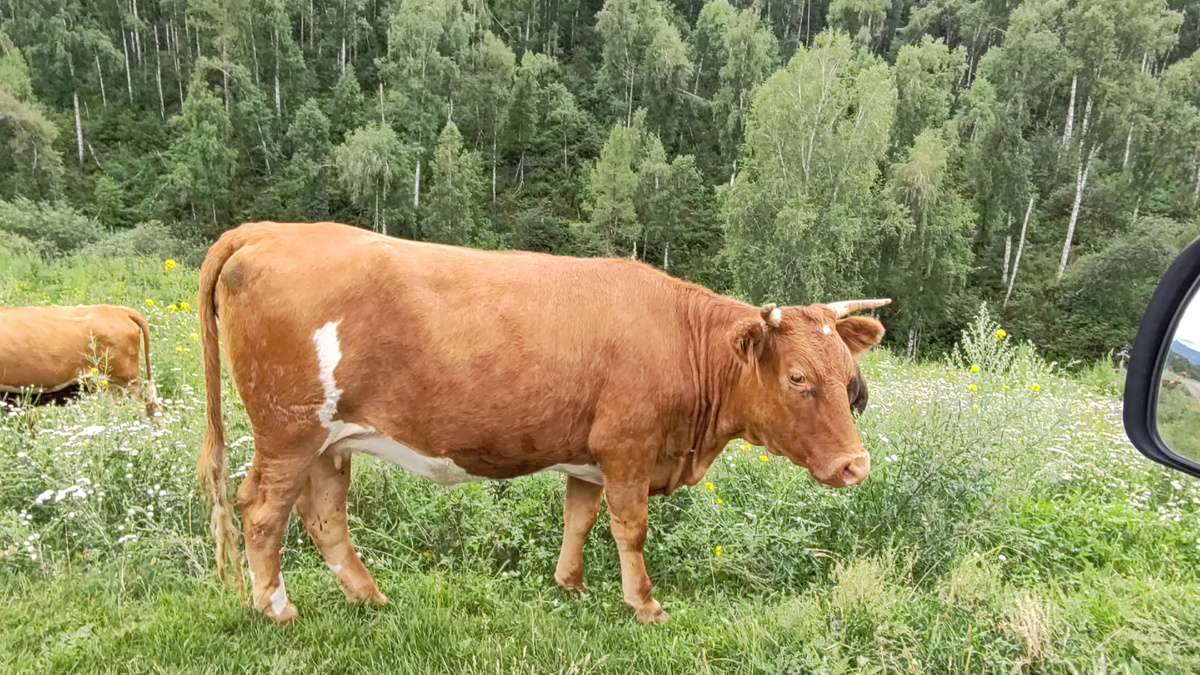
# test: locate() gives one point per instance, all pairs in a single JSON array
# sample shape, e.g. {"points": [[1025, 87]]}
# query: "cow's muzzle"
{"points": [[847, 470]]}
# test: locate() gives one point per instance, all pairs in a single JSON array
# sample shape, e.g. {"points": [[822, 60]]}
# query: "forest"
{"points": [[1042, 157]]}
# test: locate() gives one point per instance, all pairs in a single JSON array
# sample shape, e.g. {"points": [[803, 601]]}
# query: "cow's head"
{"points": [[798, 385]]}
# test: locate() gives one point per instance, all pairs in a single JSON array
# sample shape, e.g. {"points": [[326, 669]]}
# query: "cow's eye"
{"points": [[797, 380]]}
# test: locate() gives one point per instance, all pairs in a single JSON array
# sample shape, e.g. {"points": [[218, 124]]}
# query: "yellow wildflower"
{"points": [[150, 302], [184, 306], [1000, 334], [720, 501], [709, 486], [195, 337], [1035, 387], [974, 369], [972, 387], [93, 370], [976, 406], [718, 550], [174, 308], [763, 457], [169, 264]]}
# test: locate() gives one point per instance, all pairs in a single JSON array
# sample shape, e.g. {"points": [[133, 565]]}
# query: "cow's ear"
{"points": [[860, 333], [748, 340]]}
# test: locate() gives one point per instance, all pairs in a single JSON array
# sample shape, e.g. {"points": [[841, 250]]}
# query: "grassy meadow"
{"points": [[1008, 527]]}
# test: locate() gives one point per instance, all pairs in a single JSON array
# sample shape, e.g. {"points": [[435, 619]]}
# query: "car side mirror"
{"points": [[1162, 386]]}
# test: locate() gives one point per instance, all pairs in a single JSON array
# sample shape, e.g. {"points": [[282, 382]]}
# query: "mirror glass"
{"points": [[1178, 414]]}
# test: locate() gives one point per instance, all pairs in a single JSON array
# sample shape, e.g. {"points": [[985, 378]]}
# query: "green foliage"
{"points": [[452, 212], [149, 240], [368, 167], [53, 228], [611, 187], [201, 160], [806, 204], [1106, 291]]}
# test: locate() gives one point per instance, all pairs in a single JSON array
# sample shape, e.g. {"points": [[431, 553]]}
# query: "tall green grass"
{"points": [[1007, 526]]}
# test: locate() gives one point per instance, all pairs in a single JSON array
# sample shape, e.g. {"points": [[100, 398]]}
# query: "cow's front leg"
{"points": [[579, 514], [627, 504]]}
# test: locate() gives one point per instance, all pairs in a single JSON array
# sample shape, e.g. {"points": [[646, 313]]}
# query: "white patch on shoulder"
{"points": [[329, 354], [825, 329], [355, 438], [336, 569], [279, 598], [584, 472]]}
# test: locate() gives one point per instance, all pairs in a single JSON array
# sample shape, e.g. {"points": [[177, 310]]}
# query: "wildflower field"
{"points": [[1008, 526]]}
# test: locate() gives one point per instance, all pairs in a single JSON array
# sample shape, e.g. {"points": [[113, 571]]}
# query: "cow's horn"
{"points": [[771, 314], [846, 307]]}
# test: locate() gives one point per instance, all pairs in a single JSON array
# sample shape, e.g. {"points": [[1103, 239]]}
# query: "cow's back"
{"points": [[47, 348]]}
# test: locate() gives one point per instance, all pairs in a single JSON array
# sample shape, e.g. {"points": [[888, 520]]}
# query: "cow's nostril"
{"points": [[856, 469]]}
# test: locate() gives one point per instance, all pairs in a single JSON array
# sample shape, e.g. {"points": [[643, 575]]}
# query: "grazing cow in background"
{"points": [[44, 350], [463, 365]]}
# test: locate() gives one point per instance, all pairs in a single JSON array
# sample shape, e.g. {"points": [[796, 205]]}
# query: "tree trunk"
{"points": [[629, 103], [493, 163], [1012, 278], [162, 105], [666, 255], [417, 185], [78, 125], [278, 102], [1070, 124], [75, 101], [254, 54], [1007, 253], [1128, 143], [100, 75], [128, 75], [1081, 176]]}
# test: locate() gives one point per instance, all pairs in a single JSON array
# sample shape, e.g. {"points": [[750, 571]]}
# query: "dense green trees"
{"points": [[1041, 155]]}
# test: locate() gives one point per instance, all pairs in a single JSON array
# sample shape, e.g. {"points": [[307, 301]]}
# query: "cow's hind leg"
{"points": [[322, 507], [265, 498], [579, 514]]}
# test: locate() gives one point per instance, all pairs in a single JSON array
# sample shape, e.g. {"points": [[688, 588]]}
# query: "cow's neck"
{"points": [[711, 321]]}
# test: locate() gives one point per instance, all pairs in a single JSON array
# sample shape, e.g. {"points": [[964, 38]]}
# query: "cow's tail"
{"points": [[149, 395], [211, 467]]}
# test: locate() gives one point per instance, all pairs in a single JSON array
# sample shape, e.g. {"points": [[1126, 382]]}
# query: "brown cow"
{"points": [[464, 365], [48, 349]]}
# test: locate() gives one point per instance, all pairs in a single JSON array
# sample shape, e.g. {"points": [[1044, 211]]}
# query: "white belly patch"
{"points": [[350, 438], [584, 472], [354, 438], [36, 390]]}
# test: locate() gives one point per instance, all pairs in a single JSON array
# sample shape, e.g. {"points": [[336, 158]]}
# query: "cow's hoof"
{"points": [[570, 583], [283, 618], [651, 612]]}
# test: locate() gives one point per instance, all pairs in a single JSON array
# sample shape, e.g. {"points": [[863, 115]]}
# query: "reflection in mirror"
{"points": [[1178, 414]]}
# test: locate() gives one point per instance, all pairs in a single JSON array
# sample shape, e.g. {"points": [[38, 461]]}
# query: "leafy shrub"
{"points": [[57, 226], [150, 239]]}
